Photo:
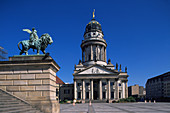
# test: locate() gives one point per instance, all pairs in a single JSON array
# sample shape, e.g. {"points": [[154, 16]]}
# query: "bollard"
{"points": [[145, 101], [154, 101], [73, 103], [90, 102]]}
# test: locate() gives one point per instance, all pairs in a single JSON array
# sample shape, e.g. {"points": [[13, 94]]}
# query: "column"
{"points": [[75, 89], [85, 58], [91, 52], [82, 55], [83, 90], [105, 54], [116, 89], [98, 54], [100, 89], [102, 53], [91, 89], [123, 89], [108, 89], [126, 89]]}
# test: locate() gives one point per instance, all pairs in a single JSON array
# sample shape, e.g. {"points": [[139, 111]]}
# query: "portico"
{"points": [[106, 91], [104, 85]]}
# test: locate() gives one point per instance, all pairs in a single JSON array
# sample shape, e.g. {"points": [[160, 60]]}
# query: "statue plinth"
{"points": [[33, 79]]}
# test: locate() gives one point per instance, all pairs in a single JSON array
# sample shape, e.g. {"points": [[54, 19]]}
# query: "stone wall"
{"points": [[32, 78]]}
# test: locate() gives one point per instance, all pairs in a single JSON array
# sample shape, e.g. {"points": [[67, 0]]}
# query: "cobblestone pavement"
{"points": [[116, 108]]}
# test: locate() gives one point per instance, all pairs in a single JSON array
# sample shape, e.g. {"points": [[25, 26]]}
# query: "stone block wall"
{"points": [[32, 79]]}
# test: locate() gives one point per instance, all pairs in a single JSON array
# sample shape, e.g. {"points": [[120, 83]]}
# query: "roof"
{"points": [[93, 26], [113, 71], [160, 76], [59, 81]]}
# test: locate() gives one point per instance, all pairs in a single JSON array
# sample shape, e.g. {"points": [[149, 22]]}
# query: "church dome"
{"points": [[93, 26]]}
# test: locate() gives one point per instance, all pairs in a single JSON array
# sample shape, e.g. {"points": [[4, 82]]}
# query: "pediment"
{"points": [[96, 69]]}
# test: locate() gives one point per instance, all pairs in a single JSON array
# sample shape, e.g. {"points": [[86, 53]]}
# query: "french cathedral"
{"points": [[94, 77]]}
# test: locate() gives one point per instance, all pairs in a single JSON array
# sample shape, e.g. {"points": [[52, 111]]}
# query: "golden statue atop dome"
{"points": [[93, 13]]}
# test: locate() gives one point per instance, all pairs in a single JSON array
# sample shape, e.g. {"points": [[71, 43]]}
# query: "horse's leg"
{"points": [[43, 51], [26, 52], [38, 51], [21, 52]]}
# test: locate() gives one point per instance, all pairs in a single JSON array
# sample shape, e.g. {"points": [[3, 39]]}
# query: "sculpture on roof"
{"points": [[34, 42]]}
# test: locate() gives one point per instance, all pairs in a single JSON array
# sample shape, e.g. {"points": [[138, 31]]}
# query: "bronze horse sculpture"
{"points": [[39, 44]]}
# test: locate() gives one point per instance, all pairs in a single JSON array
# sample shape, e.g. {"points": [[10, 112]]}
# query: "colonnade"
{"points": [[94, 52], [120, 91]]}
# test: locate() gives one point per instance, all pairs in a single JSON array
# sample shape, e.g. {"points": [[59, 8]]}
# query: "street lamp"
{"points": [[90, 95]]}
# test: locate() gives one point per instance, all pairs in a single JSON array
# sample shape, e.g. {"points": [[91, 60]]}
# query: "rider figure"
{"points": [[33, 36]]}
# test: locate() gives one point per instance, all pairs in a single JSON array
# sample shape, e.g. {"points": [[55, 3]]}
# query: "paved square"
{"points": [[116, 108]]}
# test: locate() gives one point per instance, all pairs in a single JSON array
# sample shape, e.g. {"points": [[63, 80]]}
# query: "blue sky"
{"points": [[137, 32]]}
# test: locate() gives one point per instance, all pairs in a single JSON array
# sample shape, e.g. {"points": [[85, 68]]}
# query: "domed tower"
{"points": [[93, 46], [94, 78]]}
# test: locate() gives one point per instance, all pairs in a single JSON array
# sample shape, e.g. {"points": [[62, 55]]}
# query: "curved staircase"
{"points": [[11, 104]]}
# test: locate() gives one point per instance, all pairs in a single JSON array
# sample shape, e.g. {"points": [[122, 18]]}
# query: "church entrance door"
{"points": [[96, 89]]}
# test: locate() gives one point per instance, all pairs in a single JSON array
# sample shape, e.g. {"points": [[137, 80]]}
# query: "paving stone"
{"points": [[117, 108]]}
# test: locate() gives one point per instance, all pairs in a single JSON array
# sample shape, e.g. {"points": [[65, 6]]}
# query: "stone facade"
{"points": [[33, 79], [94, 78]]}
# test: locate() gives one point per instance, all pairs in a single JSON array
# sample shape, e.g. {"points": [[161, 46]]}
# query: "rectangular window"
{"points": [[87, 95], [103, 83], [120, 95], [79, 95], [87, 84], [112, 95], [57, 92], [104, 95], [66, 91], [111, 83], [78, 84]]}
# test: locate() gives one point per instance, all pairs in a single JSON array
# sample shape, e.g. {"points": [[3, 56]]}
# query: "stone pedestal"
{"points": [[33, 79]]}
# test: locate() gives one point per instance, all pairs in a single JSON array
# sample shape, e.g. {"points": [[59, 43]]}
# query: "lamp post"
{"points": [[105, 90], [90, 95]]}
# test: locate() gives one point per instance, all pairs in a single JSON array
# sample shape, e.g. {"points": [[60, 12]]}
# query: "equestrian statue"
{"points": [[34, 42]]}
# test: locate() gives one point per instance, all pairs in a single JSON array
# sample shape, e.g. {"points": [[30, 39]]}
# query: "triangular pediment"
{"points": [[97, 69]]}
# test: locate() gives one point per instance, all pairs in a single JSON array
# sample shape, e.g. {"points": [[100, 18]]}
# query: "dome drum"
{"points": [[94, 34], [94, 42]]}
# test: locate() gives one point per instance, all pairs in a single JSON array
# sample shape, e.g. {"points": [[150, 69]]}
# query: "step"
{"points": [[15, 102], [13, 108], [33, 111], [11, 105], [17, 110], [99, 101], [7, 98]]}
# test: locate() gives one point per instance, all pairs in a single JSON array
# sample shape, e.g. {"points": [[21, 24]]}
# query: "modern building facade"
{"points": [[137, 91], [158, 87], [94, 78]]}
